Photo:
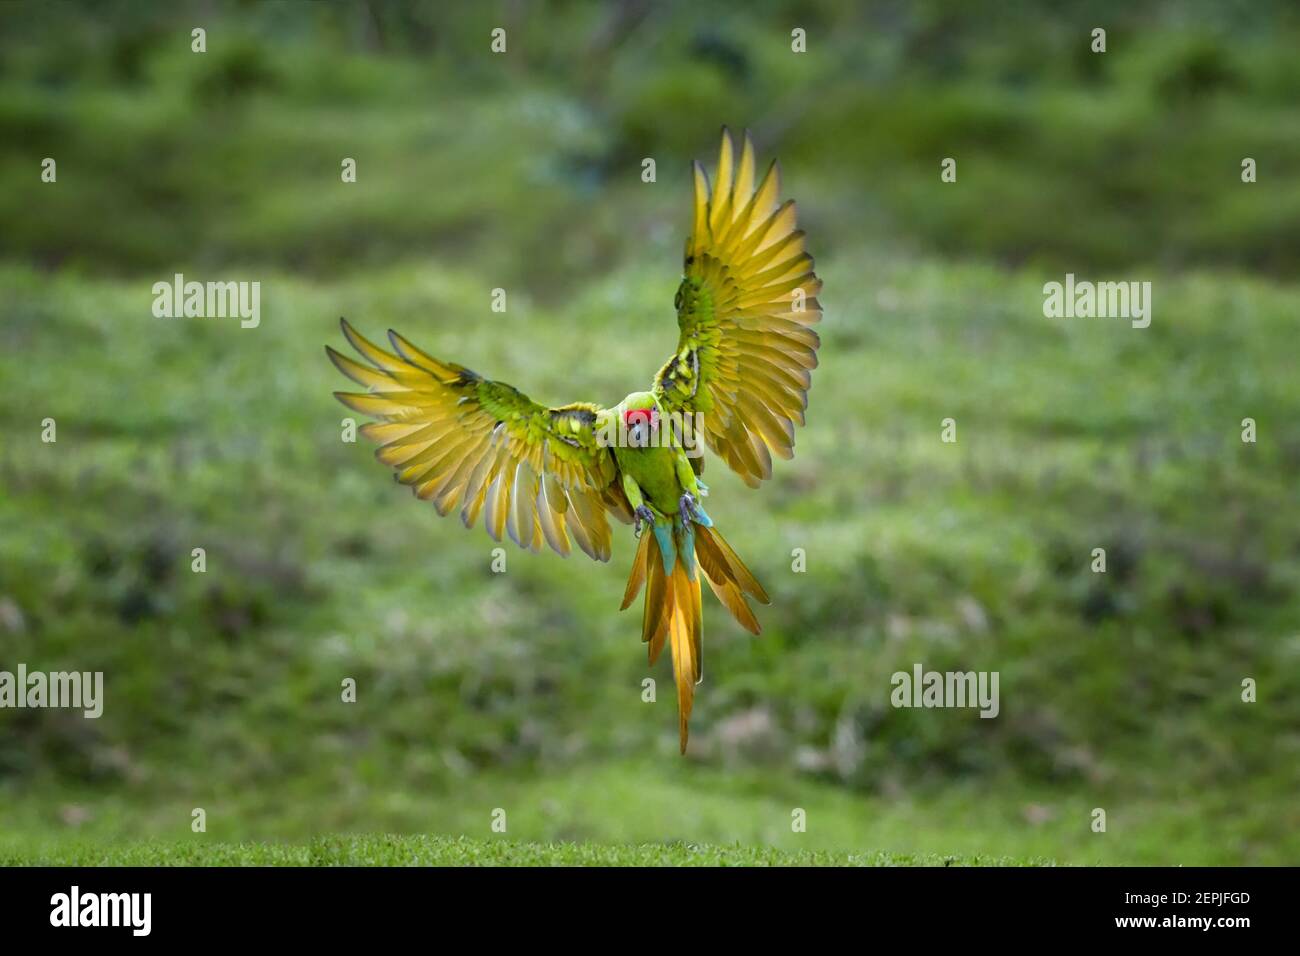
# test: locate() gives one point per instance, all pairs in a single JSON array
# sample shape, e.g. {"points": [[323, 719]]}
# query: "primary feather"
{"points": [[534, 473], [744, 309]]}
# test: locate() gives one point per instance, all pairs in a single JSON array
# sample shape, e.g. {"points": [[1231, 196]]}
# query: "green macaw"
{"points": [[740, 375]]}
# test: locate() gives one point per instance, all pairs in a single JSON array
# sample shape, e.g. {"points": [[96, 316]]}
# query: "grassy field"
{"points": [[648, 802], [396, 850], [522, 690], [969, 556]]}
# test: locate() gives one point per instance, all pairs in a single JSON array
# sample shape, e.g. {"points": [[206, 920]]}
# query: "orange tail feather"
{"points": [[673, 613]]}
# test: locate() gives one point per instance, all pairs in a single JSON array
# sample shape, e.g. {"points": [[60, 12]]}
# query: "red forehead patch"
{"points": [[635, 416]]}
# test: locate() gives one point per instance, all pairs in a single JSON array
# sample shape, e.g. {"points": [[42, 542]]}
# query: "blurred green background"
{"points": [[522, 171]]}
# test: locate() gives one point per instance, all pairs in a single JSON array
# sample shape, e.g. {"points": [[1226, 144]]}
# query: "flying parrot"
{"points": [[741, 373]]}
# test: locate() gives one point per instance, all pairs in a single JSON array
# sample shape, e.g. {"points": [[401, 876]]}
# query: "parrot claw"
{"points": [[686, 506], [642, 514]]}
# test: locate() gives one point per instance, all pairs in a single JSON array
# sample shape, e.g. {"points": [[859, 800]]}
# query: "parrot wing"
{"points": [[458, 439], [745, 306]]}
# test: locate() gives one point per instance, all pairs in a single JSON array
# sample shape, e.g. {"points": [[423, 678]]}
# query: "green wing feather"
{"points": [[745, 305], [459, 440]]}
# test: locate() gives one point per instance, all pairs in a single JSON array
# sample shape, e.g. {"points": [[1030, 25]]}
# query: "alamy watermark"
{"points": [[208, 300], [75, 908], [922, 688], [75, 689], [1102, 300], [650, 428]]}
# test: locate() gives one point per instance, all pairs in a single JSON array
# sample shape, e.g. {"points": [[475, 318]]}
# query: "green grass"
{"points": [[397, 850], [659, 802]]}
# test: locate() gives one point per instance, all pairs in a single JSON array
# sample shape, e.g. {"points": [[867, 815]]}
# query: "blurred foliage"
{"points": [[523, 171], [1068, 159]]}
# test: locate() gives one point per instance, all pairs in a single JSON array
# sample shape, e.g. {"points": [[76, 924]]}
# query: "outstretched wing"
{"points": [[746, 351], [457, 439]]}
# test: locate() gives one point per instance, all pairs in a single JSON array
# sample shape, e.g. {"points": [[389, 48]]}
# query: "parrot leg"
{"points": [[685, 474], [688, 505], [640, 512], [640, 516]]}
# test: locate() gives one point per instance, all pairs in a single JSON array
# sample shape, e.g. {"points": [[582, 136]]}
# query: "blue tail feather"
{"points": [[667, 547], [686, 548], [676, 539]]}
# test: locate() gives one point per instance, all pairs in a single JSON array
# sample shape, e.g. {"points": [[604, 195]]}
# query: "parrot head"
{"points": [[639, 416]]}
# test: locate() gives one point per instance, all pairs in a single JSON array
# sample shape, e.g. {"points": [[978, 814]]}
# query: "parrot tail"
{"points": [[668, 563]]}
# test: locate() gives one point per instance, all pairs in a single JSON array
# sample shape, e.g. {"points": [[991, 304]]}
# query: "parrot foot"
{"points": [[642, 514], [687, 508]]}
